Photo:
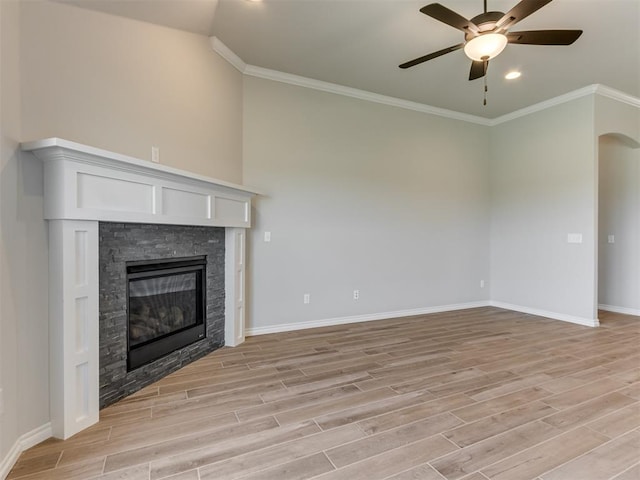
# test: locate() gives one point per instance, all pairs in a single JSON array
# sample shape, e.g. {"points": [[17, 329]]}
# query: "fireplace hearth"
{"points": [[166, 307]]}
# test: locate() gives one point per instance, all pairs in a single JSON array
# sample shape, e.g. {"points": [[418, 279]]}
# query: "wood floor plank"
{"points": [[394, 461], [602, 463], [323, 408], [165, 448], [421, 472], [266, 458], [583, 393], [229, 448], [498, 423], [589, 410], [632, 473], [34, 464], [80, 471], [476, 394], [301, 469], [500, 404], [371, 409], [546, 456], [139, 472], [391, 439], [412, 414], [479, 455]]}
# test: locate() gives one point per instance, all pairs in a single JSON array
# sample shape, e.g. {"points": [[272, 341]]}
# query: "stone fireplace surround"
{"points": [[120, 243], [83, 186]]}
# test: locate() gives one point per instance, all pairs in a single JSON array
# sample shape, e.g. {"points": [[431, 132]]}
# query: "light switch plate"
{"points": [[574, 238]]}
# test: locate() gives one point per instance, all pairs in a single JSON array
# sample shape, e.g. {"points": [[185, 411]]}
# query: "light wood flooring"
{"points": [[476, 394]]}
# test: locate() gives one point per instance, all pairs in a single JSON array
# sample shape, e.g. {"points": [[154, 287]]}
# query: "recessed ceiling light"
{"points": [[512, 75]]}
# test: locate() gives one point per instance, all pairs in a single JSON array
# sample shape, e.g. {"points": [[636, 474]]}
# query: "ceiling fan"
{"points": [[487, 34]]}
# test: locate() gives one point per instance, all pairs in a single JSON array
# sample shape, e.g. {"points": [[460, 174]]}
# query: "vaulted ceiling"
{"points": [[360, 43]]}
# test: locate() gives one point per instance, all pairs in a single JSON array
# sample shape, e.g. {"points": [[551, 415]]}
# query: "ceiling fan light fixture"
{"points": [[485, 46]]}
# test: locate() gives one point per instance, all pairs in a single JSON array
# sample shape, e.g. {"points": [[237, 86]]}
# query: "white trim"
{"points": [[360, 94], [552, 102], [234, 286], [624, 310], [587, 322], [300, 81], [287, 327], [53, 148], [23, 443], [226, 53], [617, 95]]}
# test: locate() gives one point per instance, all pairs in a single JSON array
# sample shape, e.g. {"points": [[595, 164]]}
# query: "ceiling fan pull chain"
{"points": [[486, 64]]}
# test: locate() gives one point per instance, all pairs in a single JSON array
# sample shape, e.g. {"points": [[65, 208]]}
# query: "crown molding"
{"points": [[226, 53], [567, 97], [614, 94], [267, 74], [320, 85], [595, 89], [359, 94]]}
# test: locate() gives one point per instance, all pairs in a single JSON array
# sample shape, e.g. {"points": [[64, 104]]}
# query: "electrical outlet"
{"points": [[306, 298], [481, 283], [155, 154], [267, 236], [356, 294], [611, 239]]}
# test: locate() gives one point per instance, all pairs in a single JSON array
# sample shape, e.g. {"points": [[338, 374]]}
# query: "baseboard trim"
{"points": [[627, 311], [25, 441], [587, 322], [288, 327]]}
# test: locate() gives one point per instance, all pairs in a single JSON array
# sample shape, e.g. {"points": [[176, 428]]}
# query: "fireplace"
{"points": [[87, 188], [166, 307], [161, 301]]}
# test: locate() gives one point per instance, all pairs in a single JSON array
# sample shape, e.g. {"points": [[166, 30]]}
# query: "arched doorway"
{"points": [[619, 224]]}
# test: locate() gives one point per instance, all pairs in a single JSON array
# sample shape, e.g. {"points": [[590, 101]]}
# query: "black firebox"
{"points": [[166, 307]]}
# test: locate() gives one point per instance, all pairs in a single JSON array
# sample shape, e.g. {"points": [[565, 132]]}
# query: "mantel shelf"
{"points": [[88, 183], [51, 148]]}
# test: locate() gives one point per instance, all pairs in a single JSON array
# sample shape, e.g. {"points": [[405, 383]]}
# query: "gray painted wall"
{"points": [[619, 215], [362, 196], [543, 174]]}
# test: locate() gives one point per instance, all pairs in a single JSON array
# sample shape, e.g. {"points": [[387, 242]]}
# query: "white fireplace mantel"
{"points": [[84, 185]]}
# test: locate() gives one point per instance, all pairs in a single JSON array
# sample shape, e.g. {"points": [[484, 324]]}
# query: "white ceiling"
{"points": [[360, 43]]}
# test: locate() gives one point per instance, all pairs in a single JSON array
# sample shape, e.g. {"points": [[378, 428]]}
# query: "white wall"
{"points": [[23, 259], [619, 215], [543, 179], [363, 196], [126, 86]]}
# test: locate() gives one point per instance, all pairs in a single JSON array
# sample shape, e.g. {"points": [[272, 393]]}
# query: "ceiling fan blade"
{"points": [[431, 56], [544, 37], [478, 69], [519, 12], [443, 14]]}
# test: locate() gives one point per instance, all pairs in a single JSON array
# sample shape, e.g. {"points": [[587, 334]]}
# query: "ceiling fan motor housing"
{"points": [[486, 22]]}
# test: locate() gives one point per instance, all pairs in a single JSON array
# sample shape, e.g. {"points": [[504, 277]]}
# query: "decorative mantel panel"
{"points": [[85, 185]]}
